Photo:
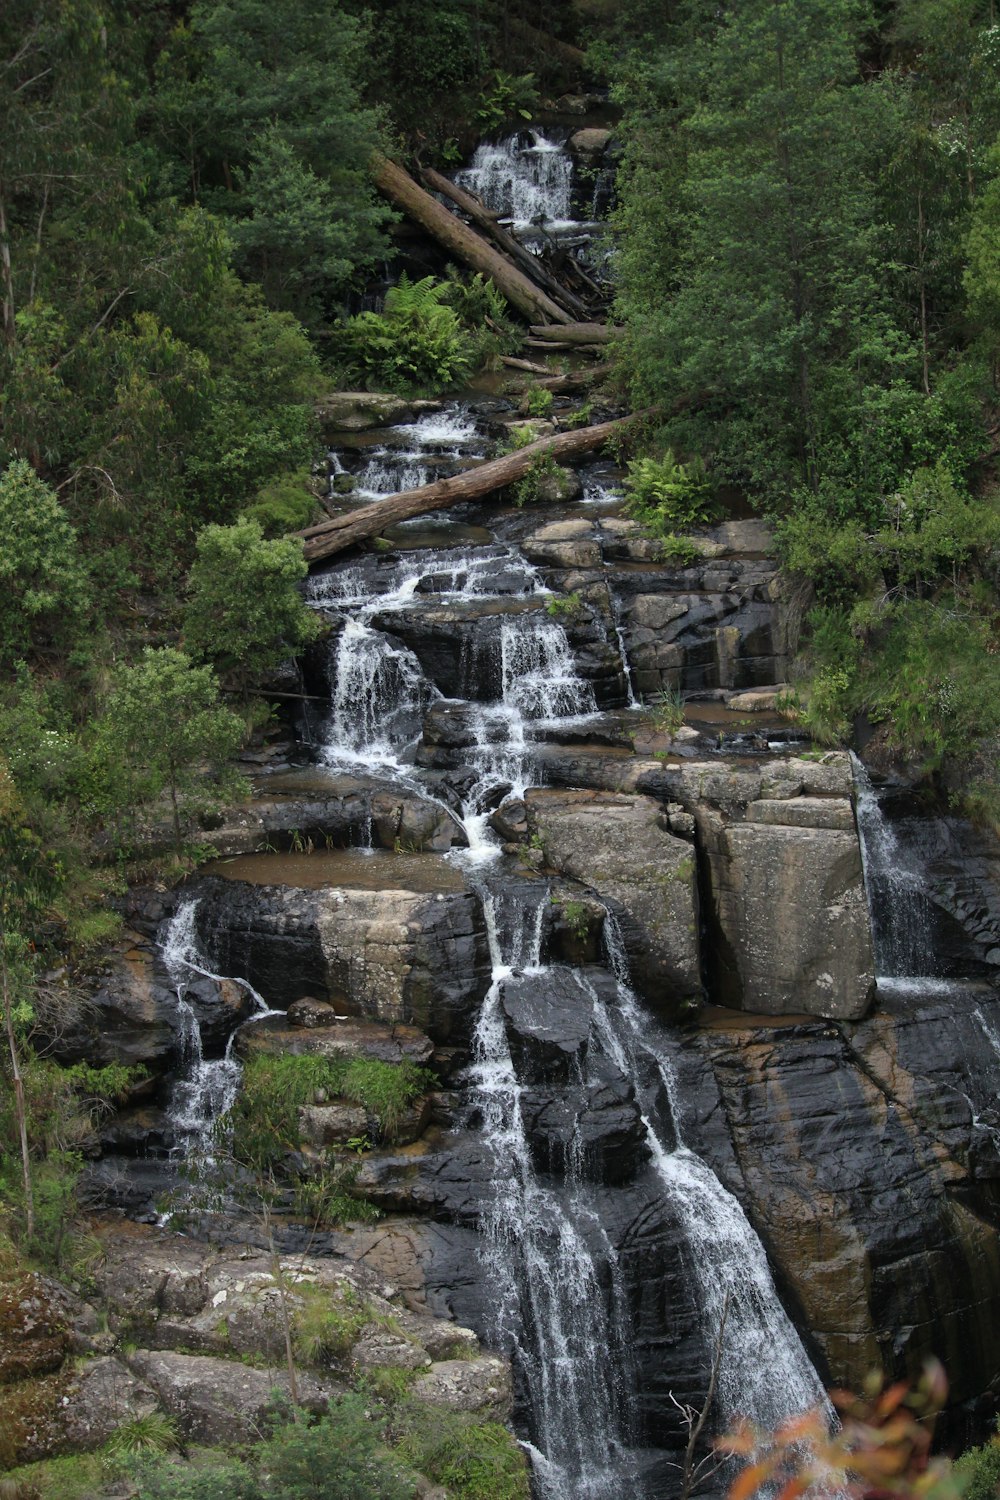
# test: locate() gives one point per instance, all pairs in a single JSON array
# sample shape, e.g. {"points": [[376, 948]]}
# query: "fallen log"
{"points": [[532, 267], [575, 380], [530, 365], [459, 240], [330, 537], [576, 333]]}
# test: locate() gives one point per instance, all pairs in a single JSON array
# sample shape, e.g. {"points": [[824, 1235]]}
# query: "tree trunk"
{"points": [[487, 222], [577, 333], [331, 537], [458, 239], [7, 326], [20, 1108]]}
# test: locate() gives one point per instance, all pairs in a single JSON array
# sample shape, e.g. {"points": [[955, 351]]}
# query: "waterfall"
{"points": [[897, 897], [205, 1087], [549, 1306], [378, 697], [527, 178], [538, 673], [765, 1374]]}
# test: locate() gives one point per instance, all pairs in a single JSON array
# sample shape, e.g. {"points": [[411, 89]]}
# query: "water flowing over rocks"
{"points": [[691, 1099]]}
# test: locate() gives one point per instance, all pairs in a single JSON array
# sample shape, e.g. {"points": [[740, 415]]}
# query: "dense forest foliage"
{"points": [[808, 272], [806, 252]]}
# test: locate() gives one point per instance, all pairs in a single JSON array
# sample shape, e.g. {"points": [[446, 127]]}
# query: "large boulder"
{"points": [[357, 411], [220, 1401], [391, 955], [789, 913], [132, 1014], [620, 847], [855, 1144]]}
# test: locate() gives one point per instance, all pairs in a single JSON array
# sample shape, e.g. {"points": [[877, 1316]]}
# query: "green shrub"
{"points": [[664, 494], [245, 614], [538, 402], [472, 1459], [564, 606], [668, 711], [264, 1120], [340, 1457], [978, 1471], [285, 504], [415, 343]]}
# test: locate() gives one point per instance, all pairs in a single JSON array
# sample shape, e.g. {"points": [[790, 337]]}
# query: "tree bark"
{"points": [[532, 267], [463, 242], [20, 1105], [577, 333], [355, 526]]}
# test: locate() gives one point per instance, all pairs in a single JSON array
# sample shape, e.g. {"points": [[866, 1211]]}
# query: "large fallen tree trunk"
{"points": [[549, 380], [464, 242], [532, 267], [330, 537], [577, 333]]}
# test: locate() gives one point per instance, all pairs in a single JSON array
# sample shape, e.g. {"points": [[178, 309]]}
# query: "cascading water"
{"points": [[378, 697], [765, 1374], [526, 177], [549, 1307], [896, 895], [206, 1087]]}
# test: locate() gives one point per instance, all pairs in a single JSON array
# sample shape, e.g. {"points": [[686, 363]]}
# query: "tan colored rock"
{"points": [[791, 905], [757, 700], [564, 544], [357, 411], [804, 812], [621, 848], [591, 142], [482, 1386]]}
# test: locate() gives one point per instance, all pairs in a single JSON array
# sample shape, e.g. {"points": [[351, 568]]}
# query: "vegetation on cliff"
{"points": [[808, 277]]}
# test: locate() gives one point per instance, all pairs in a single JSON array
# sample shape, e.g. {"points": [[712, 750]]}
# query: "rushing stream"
{"points": [[559, 1299], [556, 1287]]}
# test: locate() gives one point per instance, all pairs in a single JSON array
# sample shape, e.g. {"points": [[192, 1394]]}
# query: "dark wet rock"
{"points": [[510, 820], [548, 1018], [332, 811], [391, 955], [858, 1184], [132, 1015], [138, 1131], [594, 1128]]}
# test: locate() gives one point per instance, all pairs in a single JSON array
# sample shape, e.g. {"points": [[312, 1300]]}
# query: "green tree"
{"points": [[245, 613], [270, 121], [44, 592], [772, 313], [162, 728]]}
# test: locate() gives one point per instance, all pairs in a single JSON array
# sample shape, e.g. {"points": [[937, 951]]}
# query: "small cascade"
{"points": [[765, 1374], [539, 675], [388, 473], [378, 694], [897, 897], [206, 1087], [411, 455], [550, 1309], [527, 178]]}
